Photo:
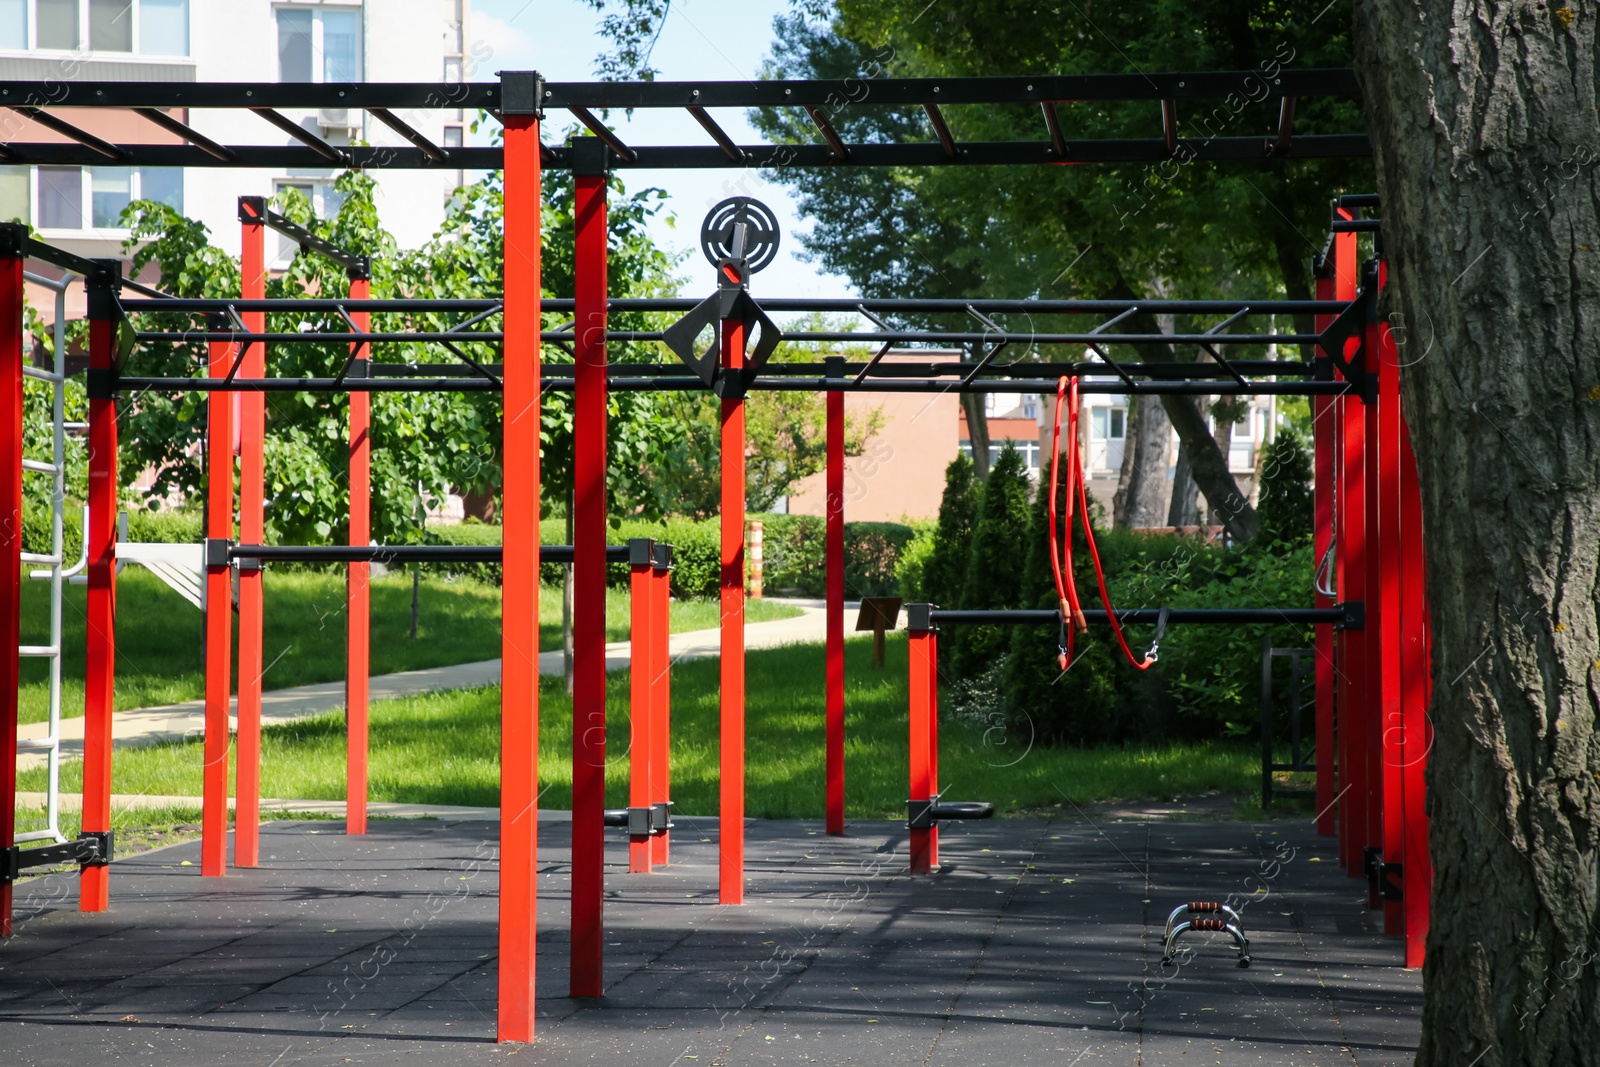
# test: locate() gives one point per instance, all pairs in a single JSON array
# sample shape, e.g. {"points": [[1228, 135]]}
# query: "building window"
{"points": [[452, 137], [143, 27], [1026, 447], [62, 196], [1107, 424], [319, 46], [14, 194]]}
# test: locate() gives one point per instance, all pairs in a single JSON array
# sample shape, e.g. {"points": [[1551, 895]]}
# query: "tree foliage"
{"points": [[994, 579]]}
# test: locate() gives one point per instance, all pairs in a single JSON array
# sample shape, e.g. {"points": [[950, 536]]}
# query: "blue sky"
{"points": [[702, 39]]}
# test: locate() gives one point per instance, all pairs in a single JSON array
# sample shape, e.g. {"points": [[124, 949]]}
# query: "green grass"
{"points": [[161, 656], [442, 748]]}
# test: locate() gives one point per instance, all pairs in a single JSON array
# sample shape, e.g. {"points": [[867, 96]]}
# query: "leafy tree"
{"points": [[946, 568], [994, 580], [1286, 501]]}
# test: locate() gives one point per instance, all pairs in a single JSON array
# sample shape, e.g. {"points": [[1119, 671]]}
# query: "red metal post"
{"points": [[661, 693], [924, 716], [1384, 501], [94, 885], [1324, 413], [358, 577], [641, 697], [731, 811], [1415, 671], [219, 616], [1350, 536], [10, 543], [519, 590], [835, 608], [252, 431], [589, 575]]}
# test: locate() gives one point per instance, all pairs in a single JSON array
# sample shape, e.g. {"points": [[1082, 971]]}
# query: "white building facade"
{"points": [[258, 41]]}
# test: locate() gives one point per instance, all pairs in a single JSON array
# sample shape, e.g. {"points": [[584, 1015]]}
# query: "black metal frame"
{"points": [[526, 92], [88, 849], [1302, 750]]}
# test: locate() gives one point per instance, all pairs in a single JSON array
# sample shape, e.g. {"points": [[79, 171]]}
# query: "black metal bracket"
{"points": [[1385, 881], [919, 617], [919, 815], [13, 238], [217, 551], [1355, 615], [100, 383], [660, 817], [661, 557], [522, 93], [590, 156], [89, 849], [732, 300], [641, 551]]}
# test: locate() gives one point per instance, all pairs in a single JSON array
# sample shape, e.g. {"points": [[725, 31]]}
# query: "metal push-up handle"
{"points": [[1233, 926]]}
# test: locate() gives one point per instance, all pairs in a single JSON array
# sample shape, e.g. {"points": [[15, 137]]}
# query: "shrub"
{"points": [[1286, 507], [946, 568], [910, 570], [999, 544]]}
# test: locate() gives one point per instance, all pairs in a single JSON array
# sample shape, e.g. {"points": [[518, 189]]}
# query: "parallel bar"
{"points": [[94, 885], [724, 142], [600, 130], [589, 588], [730, 885], [834, 551], [1136, 616], [815, 336], [252, 431], [879, 305], [837, 149], [67, 129], [188, 133], [219, 623], [358, 585], [11, 362], [400, 126], [1169, 124], [519, 591], [404, 553], [942, 130], [1052, 122], [305, 137]]}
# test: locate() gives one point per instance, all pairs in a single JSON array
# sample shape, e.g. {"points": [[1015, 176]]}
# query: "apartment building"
{"points": [[79, 208]]}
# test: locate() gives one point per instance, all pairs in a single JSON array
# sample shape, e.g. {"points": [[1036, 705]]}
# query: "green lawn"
{"points": [[442, 748], [160, 654]]}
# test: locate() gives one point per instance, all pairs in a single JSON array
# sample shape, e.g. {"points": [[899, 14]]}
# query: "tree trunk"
{"points": [[1185, 507], [1208, 466], [1485, 135], [1222, 434], [1141, 497], [977, 432]]}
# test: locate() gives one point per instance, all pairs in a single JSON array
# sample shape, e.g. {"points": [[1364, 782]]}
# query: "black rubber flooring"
{"points": [[1037, 943]]}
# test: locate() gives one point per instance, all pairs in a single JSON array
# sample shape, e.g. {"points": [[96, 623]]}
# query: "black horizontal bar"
{"points": [[33, 248], [1355, 225], [404, 553], [882, 305], [1358, 200], [1230, 616], [317, 337], [897, 369], [814, 337], [657, 383]]}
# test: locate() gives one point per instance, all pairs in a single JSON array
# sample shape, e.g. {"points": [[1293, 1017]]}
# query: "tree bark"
{"points": [[972, 404], [1185, 507], [1208, 466], [1222, 434], [1485, 135], [1141, 497]]}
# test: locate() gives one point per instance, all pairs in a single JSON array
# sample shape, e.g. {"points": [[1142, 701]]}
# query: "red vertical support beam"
{"points": [[519, 589], [589, 570], [731, 811], [641, 694], [923, 708], [1352, 707], [94, 888], [252, 431], [835, 591], [1384, 497], [1324, 411], [10, 540], [661, 693], [1414, 680], [219, 613], [358, 576]]}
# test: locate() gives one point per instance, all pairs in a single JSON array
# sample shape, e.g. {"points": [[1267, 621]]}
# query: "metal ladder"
{"points": [[55, 572]]}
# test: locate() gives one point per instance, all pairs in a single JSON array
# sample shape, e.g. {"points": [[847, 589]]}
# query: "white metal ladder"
{"points": [[55, 572]]}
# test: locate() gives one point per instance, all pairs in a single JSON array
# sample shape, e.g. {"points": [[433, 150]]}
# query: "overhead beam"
{"points": [[67, 129], [724, 142]]}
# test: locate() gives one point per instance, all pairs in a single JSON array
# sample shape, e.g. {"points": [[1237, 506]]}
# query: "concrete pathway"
{"points": [[175, 722]]}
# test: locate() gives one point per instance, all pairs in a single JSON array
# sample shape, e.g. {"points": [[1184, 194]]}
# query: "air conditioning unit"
{"points": [[339, 120]]}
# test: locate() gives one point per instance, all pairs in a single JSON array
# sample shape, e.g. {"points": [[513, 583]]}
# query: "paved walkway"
{"points": [[1037, 943], [175, 722]]}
